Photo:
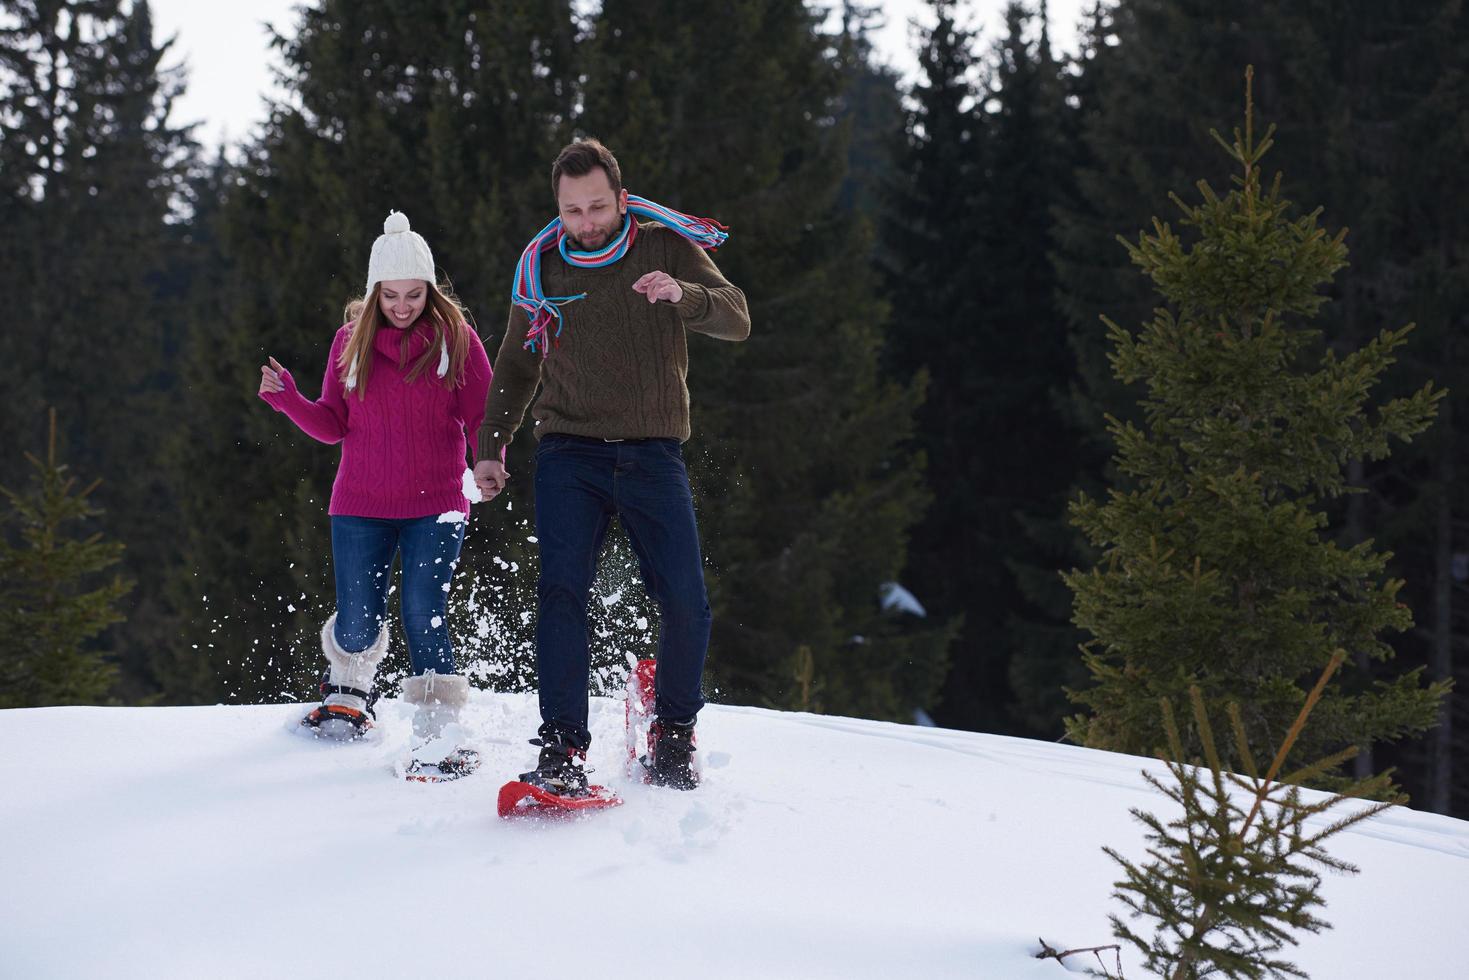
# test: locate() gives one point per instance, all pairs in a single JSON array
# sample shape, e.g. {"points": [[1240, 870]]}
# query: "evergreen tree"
{"points": [[926, 254], [1215, 569], [871, 110], [1355, 83], [1145, 65], [966, 245], [1390, 76], [805, 490], [50, 602], [1365, 92], [449, 112], [1027, 369], [1235, 874], [1427, 160], [90, 172], [196, 452], [932, 211], [1042, 639]]}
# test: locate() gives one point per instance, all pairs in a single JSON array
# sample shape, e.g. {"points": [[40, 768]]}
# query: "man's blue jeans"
{"points": [[580, 484], [362, 555]]}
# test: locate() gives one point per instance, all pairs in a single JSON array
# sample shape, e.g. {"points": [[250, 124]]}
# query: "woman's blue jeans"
{"points": [[363, 549], [580, 484]]}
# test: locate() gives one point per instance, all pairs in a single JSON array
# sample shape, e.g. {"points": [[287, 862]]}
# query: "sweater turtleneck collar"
{"points": [[402, 350], [404, 346]]}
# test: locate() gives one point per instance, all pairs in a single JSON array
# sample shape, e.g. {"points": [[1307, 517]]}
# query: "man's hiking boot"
{"points": [[561, 768], [670, 758]]}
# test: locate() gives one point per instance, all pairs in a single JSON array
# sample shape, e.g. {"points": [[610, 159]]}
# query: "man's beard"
{"points": [[601, 242]]}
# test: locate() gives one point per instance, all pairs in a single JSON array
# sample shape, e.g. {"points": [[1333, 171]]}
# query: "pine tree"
{"points": [[966, 245], [50, 602], [932, 211], [1042, 638], [1433, 539], [805, 490], [1143, 67], [1235, 874], [1026, 370], [195, 452], [1215, 568], [90, 175], [447, 112], [89, 169], [1365, 92], [871, 109], [1390, 75], [926, 256]]}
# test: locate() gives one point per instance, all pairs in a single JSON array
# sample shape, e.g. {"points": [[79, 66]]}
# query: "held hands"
{"points": [[273, 378], [490, 476], [659, 285]]}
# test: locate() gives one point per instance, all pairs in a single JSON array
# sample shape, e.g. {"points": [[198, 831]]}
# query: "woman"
{"points": [[404, 393]]}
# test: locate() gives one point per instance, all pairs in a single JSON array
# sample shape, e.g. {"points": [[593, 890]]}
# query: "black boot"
{"points": [[561, 767], [670, 761]]}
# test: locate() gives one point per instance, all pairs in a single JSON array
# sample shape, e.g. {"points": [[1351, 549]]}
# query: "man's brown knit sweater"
{"points": [[619, 371]]}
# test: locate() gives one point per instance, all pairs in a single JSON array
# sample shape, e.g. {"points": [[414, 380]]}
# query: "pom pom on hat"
{"points": [[396, 223], [399, 253]]}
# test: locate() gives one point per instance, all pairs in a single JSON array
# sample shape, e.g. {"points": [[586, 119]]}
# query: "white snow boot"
{"points": [[439, 756], [346, 708], [438, 698]]}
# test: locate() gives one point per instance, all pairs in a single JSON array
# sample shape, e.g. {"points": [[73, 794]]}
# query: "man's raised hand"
{"points": [[659, 285]]}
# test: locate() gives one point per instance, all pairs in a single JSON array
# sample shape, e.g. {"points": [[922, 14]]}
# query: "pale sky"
{"points": [[224, 44]]}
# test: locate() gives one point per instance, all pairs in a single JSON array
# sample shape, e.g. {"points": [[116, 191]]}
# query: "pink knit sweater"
{"points": [[404, 446]]}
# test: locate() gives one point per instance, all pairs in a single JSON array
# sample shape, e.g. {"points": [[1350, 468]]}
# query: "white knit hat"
{"points": [[399, 253]]}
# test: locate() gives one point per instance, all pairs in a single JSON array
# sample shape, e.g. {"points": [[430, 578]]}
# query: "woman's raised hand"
{"points": [[270, 378]]}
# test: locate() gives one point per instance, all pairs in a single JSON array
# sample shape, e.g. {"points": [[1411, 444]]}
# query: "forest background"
{"points": [[925, 389]]}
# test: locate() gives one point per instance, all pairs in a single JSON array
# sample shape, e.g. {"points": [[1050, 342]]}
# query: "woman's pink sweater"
{"points": [[404, 446]]}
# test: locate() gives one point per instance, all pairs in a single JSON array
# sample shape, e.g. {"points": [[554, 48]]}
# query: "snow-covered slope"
{"points": [[188, 842]]}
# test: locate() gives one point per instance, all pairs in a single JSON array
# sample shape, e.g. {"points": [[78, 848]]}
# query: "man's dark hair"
{"points": [[579, 158]]}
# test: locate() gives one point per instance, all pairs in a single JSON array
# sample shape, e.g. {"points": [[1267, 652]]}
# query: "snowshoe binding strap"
{"points": [[327, 689], [460, 762], [338, 721], [455, 765], [558, 770]]}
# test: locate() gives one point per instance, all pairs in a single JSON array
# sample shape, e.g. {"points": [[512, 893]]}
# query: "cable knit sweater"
{"points": [[404, 446], [620, 369]]}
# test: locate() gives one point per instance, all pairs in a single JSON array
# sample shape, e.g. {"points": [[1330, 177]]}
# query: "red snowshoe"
{"points": [[658, 751], [520, 799], [558, 783], [638, 710]]}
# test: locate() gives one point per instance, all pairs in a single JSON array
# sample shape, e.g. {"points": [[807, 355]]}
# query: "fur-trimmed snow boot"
{"points": [[347, 687], [438, 697]]}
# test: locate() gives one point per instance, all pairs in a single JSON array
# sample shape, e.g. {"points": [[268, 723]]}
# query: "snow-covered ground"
{"points": [[190, 842]]}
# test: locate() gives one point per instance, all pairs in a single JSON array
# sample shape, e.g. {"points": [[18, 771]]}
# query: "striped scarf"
{"points": [[545, 310]]}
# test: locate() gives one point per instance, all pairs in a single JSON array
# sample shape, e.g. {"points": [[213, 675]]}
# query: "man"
{"points": [[600, 323]]}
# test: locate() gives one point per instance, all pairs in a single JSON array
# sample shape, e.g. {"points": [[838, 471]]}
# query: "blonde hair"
{"points": [[451, 325]]}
